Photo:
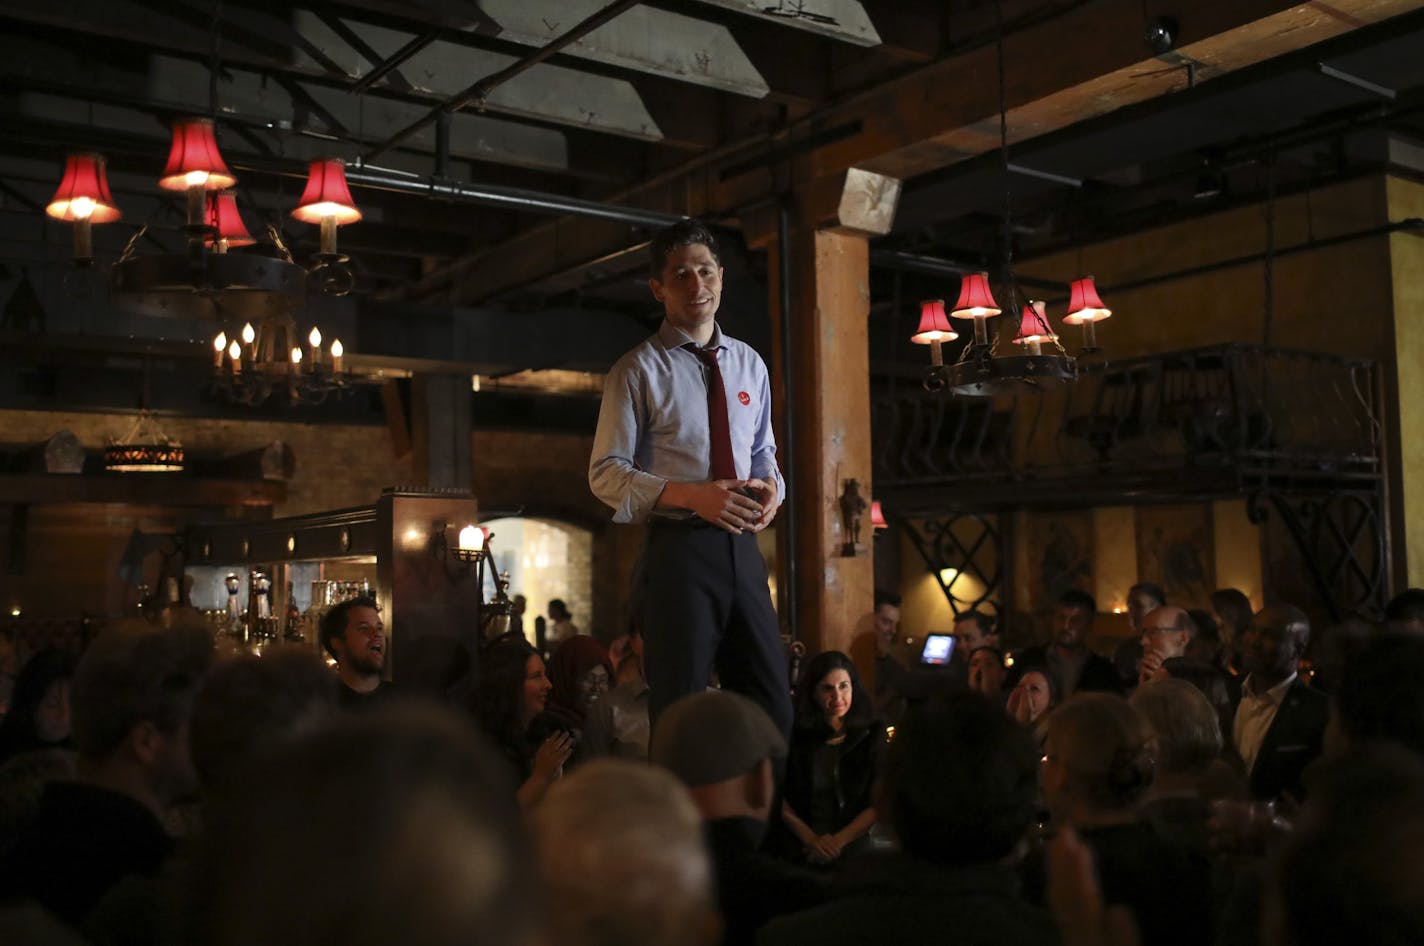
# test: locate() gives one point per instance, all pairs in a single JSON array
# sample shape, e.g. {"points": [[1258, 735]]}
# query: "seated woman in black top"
{"points": [[836, 749], [509, 701]]}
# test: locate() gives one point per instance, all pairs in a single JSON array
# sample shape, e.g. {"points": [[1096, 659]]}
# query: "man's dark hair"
{"points": [[1151, 590], [134, 673], [1207, 629], [333, 623], [1077, 598], [883, 597], [1408, 605], [1233, 607], [559, 610], [961, 781], [683, 233], [984, 622], [1379, 698]]}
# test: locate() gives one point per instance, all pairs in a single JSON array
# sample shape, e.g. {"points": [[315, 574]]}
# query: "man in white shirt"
{"points": [[1280, 723]]}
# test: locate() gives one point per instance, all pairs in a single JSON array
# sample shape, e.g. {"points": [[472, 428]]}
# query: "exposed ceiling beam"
{"points": [[946, 112], [644, 39], [844, 20]]}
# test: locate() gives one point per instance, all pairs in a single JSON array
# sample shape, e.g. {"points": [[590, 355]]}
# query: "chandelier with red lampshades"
{"points": [[254, 294], [1037, 359]]}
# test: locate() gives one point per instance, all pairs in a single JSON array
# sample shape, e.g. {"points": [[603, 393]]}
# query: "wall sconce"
{"points": [[853, 506], [877, 518], [472, 549]]}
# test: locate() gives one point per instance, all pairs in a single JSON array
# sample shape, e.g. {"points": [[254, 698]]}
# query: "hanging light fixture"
{"points": [[83, 199], [271, 361], [195, 166], [877, 516], [1086, 309], [226, 228], [327, 202], [934, 331], [980, 370], [144, 449]]}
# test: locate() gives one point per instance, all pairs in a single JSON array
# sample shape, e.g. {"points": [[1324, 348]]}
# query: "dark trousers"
{"points": [[704, 604]]}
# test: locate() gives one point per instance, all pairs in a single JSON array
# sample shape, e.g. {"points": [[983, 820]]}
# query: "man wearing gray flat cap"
{"points": [[721, 745]]}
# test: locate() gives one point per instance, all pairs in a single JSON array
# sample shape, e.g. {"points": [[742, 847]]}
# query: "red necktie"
{"points": [[718, 427]]}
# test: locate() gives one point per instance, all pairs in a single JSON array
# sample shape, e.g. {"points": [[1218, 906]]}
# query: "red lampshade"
{"points": [[975, 299], [1084, 304], [877, 516], [1034, 327], [327, 195], [84, 192], [194, 158], [934, 327], [223, 217]]}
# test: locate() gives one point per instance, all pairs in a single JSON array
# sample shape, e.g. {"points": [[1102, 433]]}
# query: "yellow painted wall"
{"points": [[1238, 550], [1115, 551], [1406, 255]]}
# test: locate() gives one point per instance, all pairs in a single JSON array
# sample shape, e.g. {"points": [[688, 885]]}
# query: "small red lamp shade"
{"points": [[877, 516], [1084, 304], [327, 195], [975, 299], [934, 327], [225, 220], [1034, 327], [83, 194], [194, 159]]}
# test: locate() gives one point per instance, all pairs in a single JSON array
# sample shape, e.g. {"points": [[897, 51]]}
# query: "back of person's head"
{"points": [[499, 686], [714, 736], [395, 826], [135, 672], [809, 715], [1105, 748], [1150, 590], [683, 233], [1380, 698], [333, 622], [249, 702], [1208, 631], [1405, 611], [961, 781], [1349, 873], [620, 848], [883, 597], [1077, 598], [1184, 723], [1234, 609], [558, 610]]}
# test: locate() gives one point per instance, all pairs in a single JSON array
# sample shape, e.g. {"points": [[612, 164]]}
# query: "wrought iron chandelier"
{"points": [[258, 286], [144, 449], [980, 371]]}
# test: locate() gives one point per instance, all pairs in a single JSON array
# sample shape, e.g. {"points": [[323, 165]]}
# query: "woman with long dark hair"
{"points": [[836, 748], [39, 709], [509, 703]]}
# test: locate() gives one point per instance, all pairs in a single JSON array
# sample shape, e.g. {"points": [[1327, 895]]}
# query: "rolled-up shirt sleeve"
{"points": [[613, 473], [764, 465]]}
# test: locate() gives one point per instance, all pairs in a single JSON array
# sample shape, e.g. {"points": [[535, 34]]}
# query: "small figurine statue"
{"points": [[853, 506]]}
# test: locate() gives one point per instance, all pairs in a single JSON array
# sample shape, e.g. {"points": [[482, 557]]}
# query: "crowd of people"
{"points": [[151, 792]]}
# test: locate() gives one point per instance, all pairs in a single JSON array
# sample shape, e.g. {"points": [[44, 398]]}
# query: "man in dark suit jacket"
{"points": [[1075, 668], [1280, 723]]}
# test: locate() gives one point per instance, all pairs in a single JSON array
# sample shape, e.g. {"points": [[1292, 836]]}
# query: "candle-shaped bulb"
{"points": [[234, 351], [220, 343], [249, 335], [336, 350], [472, 538], [296, 356], [315, 337]]}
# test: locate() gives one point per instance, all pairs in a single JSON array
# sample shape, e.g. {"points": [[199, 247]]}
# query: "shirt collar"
{"points": [[673, 337], [1274, 695]]}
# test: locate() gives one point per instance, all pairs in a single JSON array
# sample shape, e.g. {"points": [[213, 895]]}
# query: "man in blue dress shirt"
{"points": [[685, 444]]}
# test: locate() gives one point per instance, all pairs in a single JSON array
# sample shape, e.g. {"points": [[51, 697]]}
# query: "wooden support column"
{"points": [[441, 421], [827, 246]]}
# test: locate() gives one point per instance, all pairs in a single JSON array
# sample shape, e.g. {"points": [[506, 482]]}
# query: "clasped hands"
{"points": [[726, 503]]}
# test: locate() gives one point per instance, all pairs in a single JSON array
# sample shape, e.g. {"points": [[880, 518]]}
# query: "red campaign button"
{"points": [[744, 397]]}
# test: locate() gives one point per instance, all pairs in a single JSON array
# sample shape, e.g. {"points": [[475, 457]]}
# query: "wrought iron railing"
{"points": [[1240, 409]]}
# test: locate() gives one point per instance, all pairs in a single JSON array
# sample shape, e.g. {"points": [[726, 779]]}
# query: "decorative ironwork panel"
{"points": [[959, 543]]}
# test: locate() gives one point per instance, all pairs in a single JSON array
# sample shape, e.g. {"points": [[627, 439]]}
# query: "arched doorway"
{"points": [[546, 559]]}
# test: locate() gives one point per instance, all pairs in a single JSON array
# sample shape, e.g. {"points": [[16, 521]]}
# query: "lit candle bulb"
{"points": [[472, 538], [315, 340], [219, 349], [296, 359], [336, 352], [234, 351], [249, 334]]}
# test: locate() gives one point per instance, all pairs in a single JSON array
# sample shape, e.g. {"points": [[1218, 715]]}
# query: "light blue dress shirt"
{"points": [[652, 426]]}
